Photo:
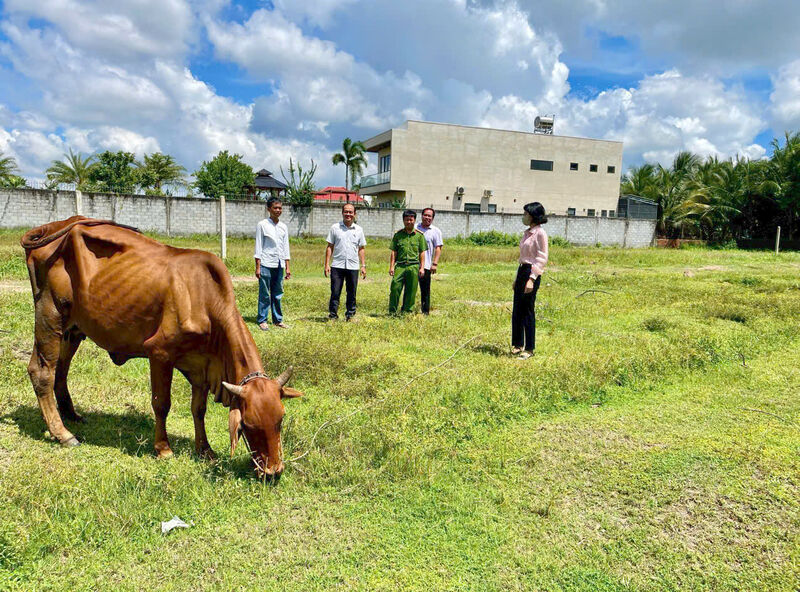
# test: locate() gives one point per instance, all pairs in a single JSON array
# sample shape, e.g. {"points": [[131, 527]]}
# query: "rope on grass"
{"points": [[789, 421], [342, 418]]}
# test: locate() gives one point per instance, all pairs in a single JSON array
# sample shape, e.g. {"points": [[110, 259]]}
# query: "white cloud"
{"points": [[785, 98], [122, 29], [665, 113]]}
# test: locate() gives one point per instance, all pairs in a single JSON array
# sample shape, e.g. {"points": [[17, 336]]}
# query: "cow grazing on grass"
{"points": [[138, 298]]}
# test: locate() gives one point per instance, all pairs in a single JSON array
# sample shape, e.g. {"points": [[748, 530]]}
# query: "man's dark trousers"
{"points": [[340, 276], [425, 292]]}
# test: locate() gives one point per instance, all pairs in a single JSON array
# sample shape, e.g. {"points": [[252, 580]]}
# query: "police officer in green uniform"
{"points": [[408, 257]]}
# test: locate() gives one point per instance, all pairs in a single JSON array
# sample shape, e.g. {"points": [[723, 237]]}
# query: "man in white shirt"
{"points": [[272, 249], [346, 243], [433, 237]]}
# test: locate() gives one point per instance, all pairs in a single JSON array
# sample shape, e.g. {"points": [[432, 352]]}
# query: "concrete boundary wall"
{"points": [[26, 208]]}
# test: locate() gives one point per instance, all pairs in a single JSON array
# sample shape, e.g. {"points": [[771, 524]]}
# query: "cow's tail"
{"points": [[46, 234]]}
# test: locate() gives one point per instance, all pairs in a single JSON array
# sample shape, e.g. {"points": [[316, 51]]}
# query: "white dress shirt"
{"points": [[433, 238], [272, 243], [346, 241]]}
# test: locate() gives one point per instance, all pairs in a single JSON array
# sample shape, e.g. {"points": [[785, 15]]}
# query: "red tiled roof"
{"points": [[338, 194]]}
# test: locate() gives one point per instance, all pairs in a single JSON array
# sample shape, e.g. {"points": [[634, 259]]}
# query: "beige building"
{"points": [[456, 167]]}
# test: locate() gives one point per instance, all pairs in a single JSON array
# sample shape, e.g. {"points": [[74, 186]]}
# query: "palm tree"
{"points": [[639, 181], [352, 156], [73, 169], [159, 169], [786, 176], [8, 167]]}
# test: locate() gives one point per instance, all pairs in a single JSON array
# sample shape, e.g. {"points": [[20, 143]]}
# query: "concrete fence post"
{"points": [[625, 235], [778, 240], [168, 214], [467, 226], [78, 202], [223, 231]]}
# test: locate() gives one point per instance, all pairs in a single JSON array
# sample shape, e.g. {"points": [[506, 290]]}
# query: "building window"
{"points": [[472, 208], [592, 168], [573, 166], [385, 163], [541, 165], [612, 169], [492, 208], [612, 214], [570, 211], [590, 213], [603, 213]]}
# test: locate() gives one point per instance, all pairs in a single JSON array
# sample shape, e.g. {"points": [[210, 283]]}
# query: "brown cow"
{"points": [[138, 298]]}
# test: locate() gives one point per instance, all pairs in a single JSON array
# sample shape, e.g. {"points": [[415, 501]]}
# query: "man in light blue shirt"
{"points": [[346, 243], [272, 249]]}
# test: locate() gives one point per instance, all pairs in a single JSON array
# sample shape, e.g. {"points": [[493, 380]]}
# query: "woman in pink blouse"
{"points": [[532, 259]]}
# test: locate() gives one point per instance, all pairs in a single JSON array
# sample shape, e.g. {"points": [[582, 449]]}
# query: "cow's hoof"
{"points": [[166, 453], [74, 417], [70, 442], [207, 454]]}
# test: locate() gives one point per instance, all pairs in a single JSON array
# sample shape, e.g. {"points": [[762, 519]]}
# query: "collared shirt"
{"points": [[346, 241], [533, 249], [408, 246], [433, 237], [272, 243]]}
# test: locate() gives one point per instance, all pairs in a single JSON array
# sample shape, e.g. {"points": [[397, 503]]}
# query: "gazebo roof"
{"points": [[265, 180]]}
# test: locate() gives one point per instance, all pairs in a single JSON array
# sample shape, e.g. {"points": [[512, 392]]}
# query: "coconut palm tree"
{"points": [[8, 167], [73, 169], [159, 169], [639, 181], [352, 156], [785, 165]]}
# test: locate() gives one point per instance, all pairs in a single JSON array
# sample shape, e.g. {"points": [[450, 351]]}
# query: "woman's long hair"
{"points": [[536, 211]]}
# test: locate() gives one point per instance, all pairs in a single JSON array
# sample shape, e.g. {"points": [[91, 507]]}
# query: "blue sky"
{"points": [[292, 78]]}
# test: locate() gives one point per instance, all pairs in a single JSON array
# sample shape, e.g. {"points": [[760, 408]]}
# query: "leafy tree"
{"points": [[157, 170], [300, 184], [8, 166], [225, 174], [352, 156], [73, 169], [114, 172], [14, 182]]}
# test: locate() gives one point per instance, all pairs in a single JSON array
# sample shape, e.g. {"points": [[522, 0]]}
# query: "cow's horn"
{"points": [[284, 378], [235, 389]]}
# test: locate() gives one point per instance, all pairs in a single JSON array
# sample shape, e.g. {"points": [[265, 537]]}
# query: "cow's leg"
{"points": [[42, 367], [161, 384], [69, 345], [199, 400]]}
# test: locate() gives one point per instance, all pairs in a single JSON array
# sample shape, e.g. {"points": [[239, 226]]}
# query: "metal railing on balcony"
{"points": [[376, 179]]}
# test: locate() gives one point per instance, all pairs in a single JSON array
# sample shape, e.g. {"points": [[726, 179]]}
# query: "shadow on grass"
{"points": [[493, 350], [131, 433], [311, 319]]}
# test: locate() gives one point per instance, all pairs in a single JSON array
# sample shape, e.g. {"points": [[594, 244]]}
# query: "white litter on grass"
{"points": [[174, 523]]}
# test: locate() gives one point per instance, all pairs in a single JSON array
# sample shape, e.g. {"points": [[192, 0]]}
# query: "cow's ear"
{"points": [[288, 392], [234, 421]]}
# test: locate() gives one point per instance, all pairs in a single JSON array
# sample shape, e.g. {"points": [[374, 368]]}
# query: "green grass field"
{"points": [[653, 442]]}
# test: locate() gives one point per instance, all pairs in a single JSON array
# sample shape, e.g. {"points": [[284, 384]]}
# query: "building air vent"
{"points": [[459, 191], [487, 193]]}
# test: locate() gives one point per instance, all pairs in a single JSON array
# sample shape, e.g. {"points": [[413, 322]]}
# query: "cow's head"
{"points": [[257, 410]]}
